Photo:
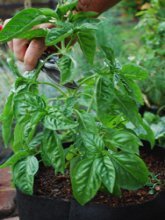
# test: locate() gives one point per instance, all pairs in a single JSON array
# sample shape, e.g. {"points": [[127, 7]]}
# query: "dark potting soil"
{"points": [[49, 185]]}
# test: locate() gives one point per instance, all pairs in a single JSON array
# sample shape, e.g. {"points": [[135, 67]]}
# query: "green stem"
{"points": [[90, 105], [87, 79]]}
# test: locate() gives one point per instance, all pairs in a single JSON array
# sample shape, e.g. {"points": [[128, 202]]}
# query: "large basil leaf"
{"points": [[52, 151], [24, 172], [7, 119], [131, 171], [22, 22], [85, 180]]}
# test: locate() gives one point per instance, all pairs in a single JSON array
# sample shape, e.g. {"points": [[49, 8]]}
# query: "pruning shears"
{"points": [[50, 67]]}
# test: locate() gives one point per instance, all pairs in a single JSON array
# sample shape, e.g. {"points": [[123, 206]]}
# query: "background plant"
{"points": [[99, 118]]}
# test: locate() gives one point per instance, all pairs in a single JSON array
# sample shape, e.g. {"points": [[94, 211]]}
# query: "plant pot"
{"points": [[38, 208], [41, 208]]}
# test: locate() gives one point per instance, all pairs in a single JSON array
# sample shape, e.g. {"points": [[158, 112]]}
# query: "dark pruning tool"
{"points": [[50, 67]]}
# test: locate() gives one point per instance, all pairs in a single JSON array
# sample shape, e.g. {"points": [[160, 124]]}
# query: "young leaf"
{"points": [[133, 71], [109, 54], [56, 35], [22, 22], [131, 171], [52, 152], [87, 42], [64, 8], [49, 12], [24, 172], [65, 65], [85, 181]]}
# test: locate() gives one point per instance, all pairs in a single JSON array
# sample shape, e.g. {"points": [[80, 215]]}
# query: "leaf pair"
{"points": [[126, 170]]}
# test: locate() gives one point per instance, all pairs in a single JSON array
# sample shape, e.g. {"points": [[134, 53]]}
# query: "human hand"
{"points": [[27, 51]]}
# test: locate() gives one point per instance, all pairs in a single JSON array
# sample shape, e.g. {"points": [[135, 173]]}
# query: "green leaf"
{"points": [[109, 54], [56, 35], [142, 130], [25, 129], [7, 119], [135, 91], [87, 122], [64, 8], [122, 139], [107, 173], [112, 103], [36, 141], [31, 126], [85, 181], [24, 172], [65, 65], [22, 22], [92, 142], [14, 159], [37, 33], [52, 152], [131, 171], [56, 120], [27, 103], [156, 123], [133, 71], [19, 141], [49, 12], [87, 42]]}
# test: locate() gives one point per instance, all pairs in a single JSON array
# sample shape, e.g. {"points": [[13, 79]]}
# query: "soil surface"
{"points": [[49, 185]]}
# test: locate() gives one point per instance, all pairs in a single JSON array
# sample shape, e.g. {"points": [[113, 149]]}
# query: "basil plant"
{"points": [[98, 119]]}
